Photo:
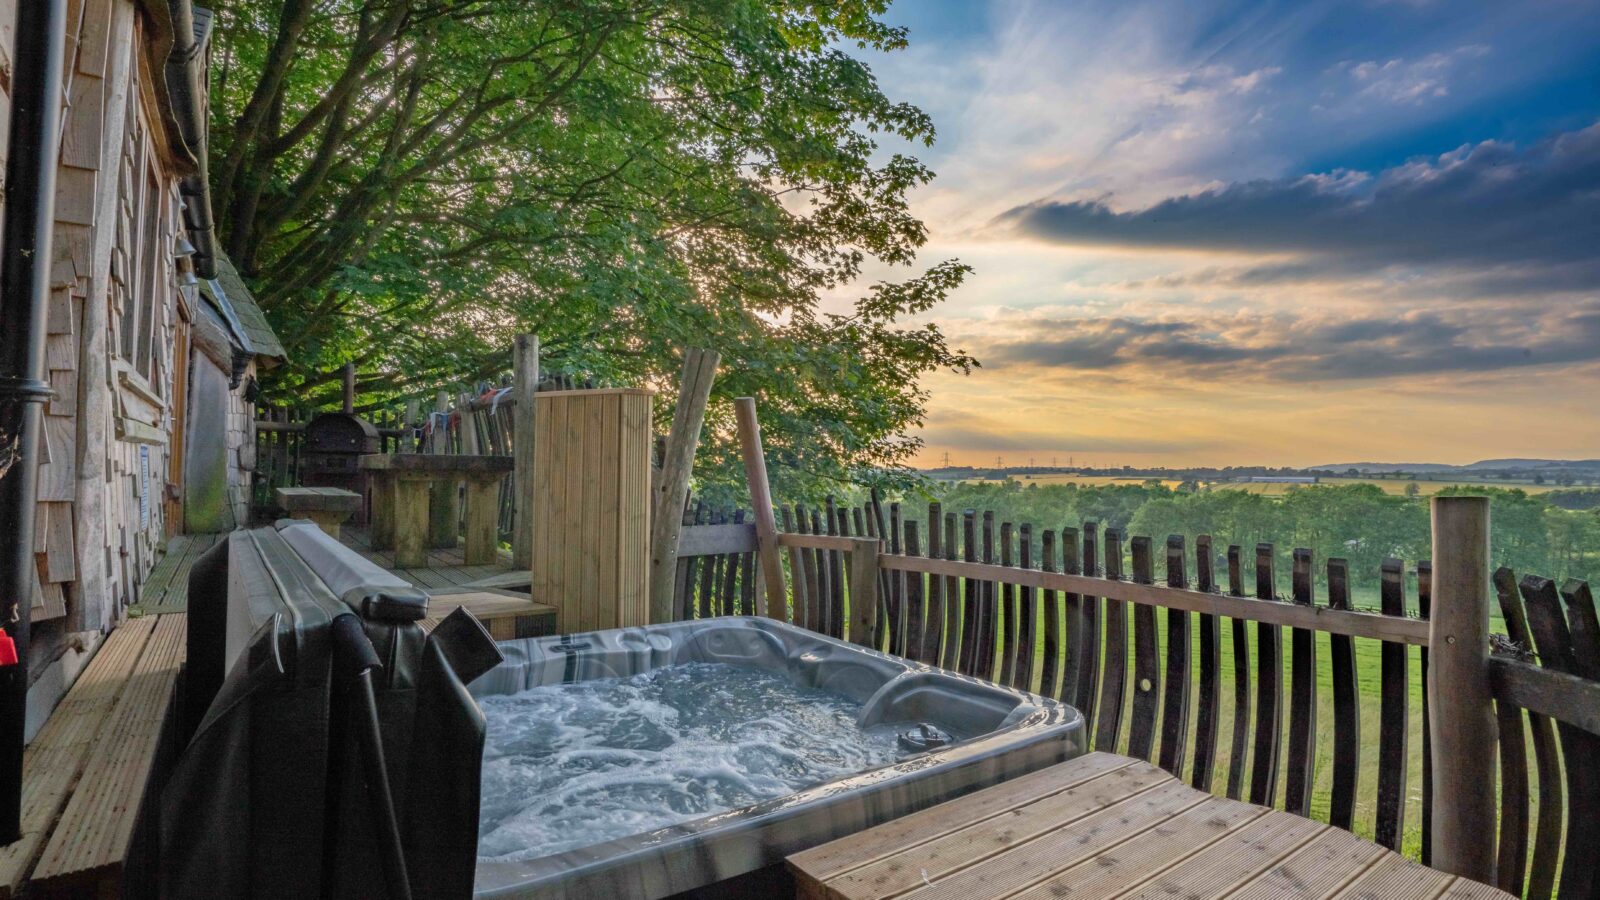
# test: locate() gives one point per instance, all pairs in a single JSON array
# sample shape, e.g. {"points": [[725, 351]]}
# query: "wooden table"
{"points": [[1103, 826], [329, 507], [411, 503]]}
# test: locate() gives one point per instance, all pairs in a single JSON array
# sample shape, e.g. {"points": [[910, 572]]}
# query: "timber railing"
{"points": [[1195, 655]]}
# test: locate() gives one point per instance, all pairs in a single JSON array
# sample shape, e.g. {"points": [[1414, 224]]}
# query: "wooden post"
{"points": [[1462, 723], [444, 507], [525, 359], [408, 442], [349, 388], [671, 487], [863, 591], [755, 472]]}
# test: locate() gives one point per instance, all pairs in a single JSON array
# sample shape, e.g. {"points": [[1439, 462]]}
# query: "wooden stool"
{"points": [[326, 506]]}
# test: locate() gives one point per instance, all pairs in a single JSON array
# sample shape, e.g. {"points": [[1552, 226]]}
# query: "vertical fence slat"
{"points": [[1175, 703], [953, 607], [1027, 637], [937, 627], [1346, 706], [835, 564], [797, 576], [684, 580], [1424, 604], [1208, 712], [1089, 637], [1239, 754], [969, 595], [895, 599], [911, 586], [1269, 687], [1302, 696], [988, 607], [1557, 650], [1007, 611], [1512, 861], [1394, 700], [1050, 612], [1072, 625], [1114, 674], [817, 571], [1146, 658]]}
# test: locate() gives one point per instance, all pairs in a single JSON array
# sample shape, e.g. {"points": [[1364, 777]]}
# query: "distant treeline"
{"points": [[1532, 533]]}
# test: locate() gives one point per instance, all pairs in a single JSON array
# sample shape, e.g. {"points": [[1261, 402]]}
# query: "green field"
{"points": [[1389, 485]]}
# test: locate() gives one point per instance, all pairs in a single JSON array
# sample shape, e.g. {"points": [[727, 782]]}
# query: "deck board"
{"points": [[446, 568], [1104, 826]]}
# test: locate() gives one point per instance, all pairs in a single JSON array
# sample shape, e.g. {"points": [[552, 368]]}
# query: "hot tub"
{"points": [[990, 734]]}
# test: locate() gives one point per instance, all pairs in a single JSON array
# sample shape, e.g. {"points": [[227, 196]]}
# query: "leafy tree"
{"points": [[410, 183]]}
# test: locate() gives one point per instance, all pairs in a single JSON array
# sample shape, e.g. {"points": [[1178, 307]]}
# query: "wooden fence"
{"points": [[1192, 655]]}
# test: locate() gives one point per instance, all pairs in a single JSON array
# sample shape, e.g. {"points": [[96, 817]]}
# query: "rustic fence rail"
{"points": [[1320, 708]]}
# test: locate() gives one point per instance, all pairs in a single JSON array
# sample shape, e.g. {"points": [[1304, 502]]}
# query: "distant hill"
{"points": [[1485, 465]]}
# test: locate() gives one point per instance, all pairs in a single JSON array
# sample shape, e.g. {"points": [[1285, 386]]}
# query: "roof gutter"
{"points": [[183, 83]]}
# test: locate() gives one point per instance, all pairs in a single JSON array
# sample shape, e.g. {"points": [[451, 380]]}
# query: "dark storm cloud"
{"points": [[1485, 206], [1304, 349]]}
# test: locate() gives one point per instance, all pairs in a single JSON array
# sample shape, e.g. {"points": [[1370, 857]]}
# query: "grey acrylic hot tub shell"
{"points": [[1007, 733]]}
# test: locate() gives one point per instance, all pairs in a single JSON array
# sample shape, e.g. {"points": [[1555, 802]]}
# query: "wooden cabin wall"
{"points": [[114, 309]]}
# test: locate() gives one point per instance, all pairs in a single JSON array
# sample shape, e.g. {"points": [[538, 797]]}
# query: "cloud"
{"points": [[1306, 347], [1408, 82], [1482, 205], [969, 432]]}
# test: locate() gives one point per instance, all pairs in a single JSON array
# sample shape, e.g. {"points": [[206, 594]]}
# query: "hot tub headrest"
{"points": [[366, 587]]}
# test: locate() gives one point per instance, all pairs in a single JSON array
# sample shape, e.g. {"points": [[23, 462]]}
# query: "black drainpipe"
{"points": [[24, 290]]}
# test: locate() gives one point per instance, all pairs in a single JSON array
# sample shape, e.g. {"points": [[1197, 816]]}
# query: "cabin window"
{"points": [[146, 221]]}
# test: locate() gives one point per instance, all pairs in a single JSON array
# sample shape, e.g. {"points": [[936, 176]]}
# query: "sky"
{"points": [[1213, 233]]}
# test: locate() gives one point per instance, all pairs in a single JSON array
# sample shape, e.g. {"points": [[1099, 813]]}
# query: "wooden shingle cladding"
{"points": [[118, 348]]}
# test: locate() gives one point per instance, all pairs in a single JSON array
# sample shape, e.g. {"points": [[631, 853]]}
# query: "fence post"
{"points": [[671, 486], [755, 472], [863, 591], [349, 388], [525, 364], [1462, 726]]}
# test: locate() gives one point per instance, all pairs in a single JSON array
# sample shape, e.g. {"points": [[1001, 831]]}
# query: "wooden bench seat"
{"points": [[90, 844], [329, 507], [85, 774]]}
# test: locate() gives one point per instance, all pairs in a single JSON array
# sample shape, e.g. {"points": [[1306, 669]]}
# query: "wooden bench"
{"points": [[508, 616], [88, 773], [329, 507], [1104, 826]]}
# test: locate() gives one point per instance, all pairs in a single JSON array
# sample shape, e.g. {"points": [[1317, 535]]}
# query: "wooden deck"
{"points": [[446, 569], [86, 774], [1108, 826]]}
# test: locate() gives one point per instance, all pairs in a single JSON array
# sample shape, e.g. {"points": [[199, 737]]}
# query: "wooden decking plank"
{"points": [[54, 761], [1234, 860], [1396, 876], [1086, 808], [1330, 861], [1072, 841], [834, 859], [1133, 863], [91, 840], [176, 596]]}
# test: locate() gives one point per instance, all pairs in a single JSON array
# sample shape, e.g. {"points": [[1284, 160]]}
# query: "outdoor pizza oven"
{"points": [[333, 444]]}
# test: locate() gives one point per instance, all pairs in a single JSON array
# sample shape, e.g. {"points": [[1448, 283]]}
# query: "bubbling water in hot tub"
{"points": [[566, 766]]}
